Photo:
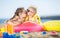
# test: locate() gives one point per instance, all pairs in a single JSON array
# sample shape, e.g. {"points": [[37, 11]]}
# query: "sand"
{"points": [[40, 35]]}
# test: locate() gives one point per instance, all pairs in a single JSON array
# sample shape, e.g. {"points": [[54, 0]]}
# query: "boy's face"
{"points": [[30, 12]]}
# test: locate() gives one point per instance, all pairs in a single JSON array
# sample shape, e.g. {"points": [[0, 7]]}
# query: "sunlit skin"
{"points": [[13, 21], [22, 15], [30, 13], [18, 19]]}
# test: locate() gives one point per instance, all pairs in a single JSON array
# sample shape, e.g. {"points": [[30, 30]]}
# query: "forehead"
{"points": [[24, 10], [31, 9]]}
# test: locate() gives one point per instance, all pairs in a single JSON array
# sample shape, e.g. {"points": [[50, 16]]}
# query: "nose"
{"points": [[24, 15]]}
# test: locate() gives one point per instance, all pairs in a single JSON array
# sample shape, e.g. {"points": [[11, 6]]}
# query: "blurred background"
{"points": [[47, 9]]}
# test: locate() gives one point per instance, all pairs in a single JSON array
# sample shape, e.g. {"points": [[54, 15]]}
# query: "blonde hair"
{"points": [[34, 8]]}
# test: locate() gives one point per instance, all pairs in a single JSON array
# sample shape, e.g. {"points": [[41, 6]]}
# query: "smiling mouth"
{"points": [[24, 17]]}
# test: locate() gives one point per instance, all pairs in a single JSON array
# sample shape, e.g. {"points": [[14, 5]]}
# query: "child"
{"points": [[32, 15], [19, 17]]}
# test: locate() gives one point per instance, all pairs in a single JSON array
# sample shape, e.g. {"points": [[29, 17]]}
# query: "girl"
{"points": [[19, 17], [32, 15]]}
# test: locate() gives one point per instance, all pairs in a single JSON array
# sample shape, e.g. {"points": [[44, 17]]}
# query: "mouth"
{"points": [[24, 17]]}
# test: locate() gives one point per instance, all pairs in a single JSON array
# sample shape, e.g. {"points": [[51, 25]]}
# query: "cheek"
{"points": [[19, 14], [33, 13], [29, 13], [24, 15]]}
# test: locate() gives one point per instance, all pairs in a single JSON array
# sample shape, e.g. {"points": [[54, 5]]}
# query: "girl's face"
{"points": [[23, 14], [30, 12]]}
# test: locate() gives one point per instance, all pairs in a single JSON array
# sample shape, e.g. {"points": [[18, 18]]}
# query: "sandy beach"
{"points": [[40, 35]]}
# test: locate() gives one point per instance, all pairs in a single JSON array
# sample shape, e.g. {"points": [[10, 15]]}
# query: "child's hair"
{"points": [[19, 10], [11, 18], [34, 8]]}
